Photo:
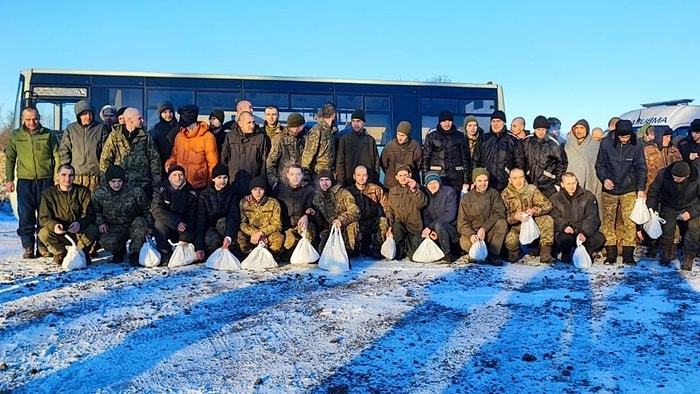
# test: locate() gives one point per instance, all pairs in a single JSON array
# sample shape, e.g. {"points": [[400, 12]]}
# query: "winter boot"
{"points": [[628, 255], [546, 255], [118, 255], [28, 253], [668, 255], [652, 248], [513, 255], [134, 260], [688, 258], [43, 251], [58, 258], [610, 255]]}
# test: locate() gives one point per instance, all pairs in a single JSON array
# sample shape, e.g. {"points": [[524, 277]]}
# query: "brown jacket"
{"points": [[404, 206], [197, 153], [478, 210]]}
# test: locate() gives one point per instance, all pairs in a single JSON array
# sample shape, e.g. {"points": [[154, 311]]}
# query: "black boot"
{"points": [[611, 255], [627, 255], [668, 255]]}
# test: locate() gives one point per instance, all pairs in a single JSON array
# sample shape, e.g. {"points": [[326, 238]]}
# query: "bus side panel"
{"points": [[406, 107]]}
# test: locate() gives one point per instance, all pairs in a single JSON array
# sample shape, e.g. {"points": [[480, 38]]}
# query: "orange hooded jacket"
{"points": [[196, 152]]}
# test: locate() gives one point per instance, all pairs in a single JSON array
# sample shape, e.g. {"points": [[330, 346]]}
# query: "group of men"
{"points": [[237, 184]]}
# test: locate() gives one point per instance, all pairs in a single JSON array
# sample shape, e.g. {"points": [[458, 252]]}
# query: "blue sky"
{"points": [[572, 60]]}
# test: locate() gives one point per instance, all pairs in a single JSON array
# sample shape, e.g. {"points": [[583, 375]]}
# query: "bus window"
{"points": [[309, 101], [208, 101], [177, 97], [68, 115], [262, 100], [477, 107], [349, 103]]}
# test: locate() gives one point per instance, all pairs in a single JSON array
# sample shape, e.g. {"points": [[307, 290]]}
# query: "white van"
{"points": [[676, 114]]}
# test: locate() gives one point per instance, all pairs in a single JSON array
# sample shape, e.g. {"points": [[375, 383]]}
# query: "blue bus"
{"points": [[386, 103]]}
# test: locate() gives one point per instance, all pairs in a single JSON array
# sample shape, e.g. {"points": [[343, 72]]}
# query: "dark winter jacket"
{"points": [[213, 205], [355, 149], [294, 202], [664, 192], [477, 210], [579, 211], [395, 154], [622, 164], [404, 206], [244, 155], [545, 161], [499, 153], [371, 201], [163, 135], [447, 152], [81, 146], [442, 208], [172, 206], [687, 146], [66, 207], [34, 155]]}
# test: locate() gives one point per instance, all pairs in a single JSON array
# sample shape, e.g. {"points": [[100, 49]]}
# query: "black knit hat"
{"points": [[326, 174], [295, 119], [121, 110], [498, 114], [695, 125], [680, 169], [114, 172], [257, 182], [219, 170], [218, 114], [623, 128], [540, 122], [188, 114], [446, 115], [358, 114], [176, 167]]}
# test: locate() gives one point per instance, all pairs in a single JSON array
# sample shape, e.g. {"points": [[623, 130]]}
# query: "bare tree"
{"points": [[5, 127], [439, 78]]}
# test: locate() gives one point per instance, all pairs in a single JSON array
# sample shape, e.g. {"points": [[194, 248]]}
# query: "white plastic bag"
{"points": [[427, 252], [653, 226], [581, 258], [478, 251], [640, 213], [75, 258], [149, 256], [259, 259], [388, 249], [223, 259], [183, 254], [334, 256], [529, 231], [304, 252]]}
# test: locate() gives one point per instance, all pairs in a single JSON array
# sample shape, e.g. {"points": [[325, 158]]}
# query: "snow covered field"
{"points": [[384, 327]]}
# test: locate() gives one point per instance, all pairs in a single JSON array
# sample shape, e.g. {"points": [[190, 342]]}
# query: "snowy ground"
{"points": [[384, 327]]}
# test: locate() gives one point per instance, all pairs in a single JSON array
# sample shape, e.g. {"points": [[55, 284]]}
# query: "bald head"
{"points": [[132, 119], [597, 133], [244, 106], [246, 122]]}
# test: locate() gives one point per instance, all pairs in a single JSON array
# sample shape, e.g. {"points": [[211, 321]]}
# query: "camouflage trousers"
{"points": [[292, 236], [115, 239], [56, 243], [350, 233], [373, 233], [90, 181], [275, 242], [546, 225], [616, 223], [494, 238]]}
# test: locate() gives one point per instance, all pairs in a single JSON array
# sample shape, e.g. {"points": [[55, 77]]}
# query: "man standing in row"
{"points": [[446, 151], [402, 150], [499, 152], [33, 151], [357, 148]]}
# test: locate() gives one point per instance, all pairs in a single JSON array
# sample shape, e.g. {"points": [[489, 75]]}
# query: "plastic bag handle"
{"points": [[70, 240]]}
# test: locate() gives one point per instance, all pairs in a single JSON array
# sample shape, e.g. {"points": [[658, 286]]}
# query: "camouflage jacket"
{"points": [[286, 150], [136, 154], [265, 216], [658, 159], [319, 150], [521, 200], [122, 207], [335, 203]]}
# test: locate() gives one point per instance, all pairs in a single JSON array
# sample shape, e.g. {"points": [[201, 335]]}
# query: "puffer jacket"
{"points": [[81, 146], [447, 152], [244, 155], [442, 208], [196, 151], [545, 160], [623, 164], [478, 210], [664, 192], [499, 153], [579, 211], [213, 205], [394, 154]]}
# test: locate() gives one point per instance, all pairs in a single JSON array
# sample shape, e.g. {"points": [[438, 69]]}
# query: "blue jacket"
{"points": [[622, 164], [442, 207]]}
